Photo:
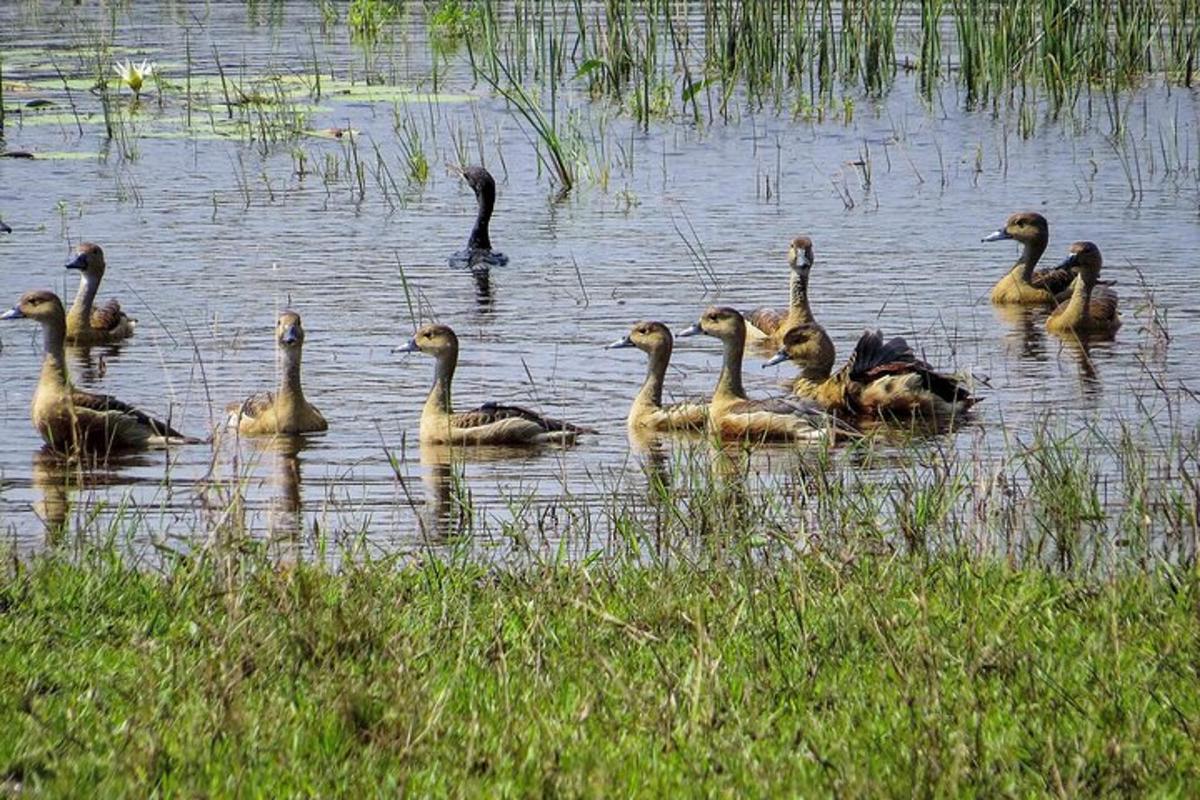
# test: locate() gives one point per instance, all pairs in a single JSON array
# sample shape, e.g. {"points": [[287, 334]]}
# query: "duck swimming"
{"points": [[1091, 310], [879, 379], [70, 420], [479, 253], [648, 412], [766, 326], [491, 423], [285, 411], [1023, 286], [88, 325], [734, 416]]}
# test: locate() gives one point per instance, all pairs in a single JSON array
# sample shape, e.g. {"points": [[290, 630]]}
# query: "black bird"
{"points": [[479, 253]]}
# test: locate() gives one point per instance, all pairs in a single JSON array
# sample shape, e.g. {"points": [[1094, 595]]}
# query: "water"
{"points": [[206, 274]]}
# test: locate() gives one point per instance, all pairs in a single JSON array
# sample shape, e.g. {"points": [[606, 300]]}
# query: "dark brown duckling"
{"points": [[1091, 309]]}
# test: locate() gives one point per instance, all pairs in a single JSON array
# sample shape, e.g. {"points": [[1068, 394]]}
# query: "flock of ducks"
{"points": [[881, 380]]}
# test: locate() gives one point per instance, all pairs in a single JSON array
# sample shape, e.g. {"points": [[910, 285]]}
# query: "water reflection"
{"points": [[90, 362], [285, 507], [484, 298], [1026, 334], [57, 479]]}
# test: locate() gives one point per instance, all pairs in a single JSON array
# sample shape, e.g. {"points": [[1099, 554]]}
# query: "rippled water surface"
{"points": [[208, 236]]}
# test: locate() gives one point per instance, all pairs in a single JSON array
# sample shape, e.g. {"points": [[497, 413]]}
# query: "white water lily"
{"points": [[133, 75]]}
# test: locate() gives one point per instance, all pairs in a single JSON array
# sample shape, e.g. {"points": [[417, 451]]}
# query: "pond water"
{"points": [[208, 236]]}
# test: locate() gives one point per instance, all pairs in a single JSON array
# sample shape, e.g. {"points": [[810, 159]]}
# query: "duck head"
{"points": [[432, 340], [1085, 258], [800, 254], [801, 344], [480, 181], [647, 336], [720, 322], [89, 259], [1023, 226], [41, 306], [289, 332]]}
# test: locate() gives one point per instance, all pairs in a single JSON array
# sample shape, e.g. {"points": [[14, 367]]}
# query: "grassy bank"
{"points": [[225, 675]]}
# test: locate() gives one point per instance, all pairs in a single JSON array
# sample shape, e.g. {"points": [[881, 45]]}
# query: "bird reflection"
{"points": [[1090, 385], [91, 362], [285, 508], [55, 479], [1026, 336], [484, 298]]}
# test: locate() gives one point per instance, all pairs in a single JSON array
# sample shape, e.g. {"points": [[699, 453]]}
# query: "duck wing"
{"points": [[794, 406], [493, 413], [873, 359], [109, 316], [766, 321], [109, 405], [1104, 304], [253, 406], [1054, 280]]}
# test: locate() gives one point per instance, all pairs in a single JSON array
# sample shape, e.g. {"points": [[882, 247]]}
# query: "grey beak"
{"points": [[998, 236], [778, 358], [79, 262], [692, 330], [408, 347], [1070, 262], [619, 343], [12, 313], [291, 335]]}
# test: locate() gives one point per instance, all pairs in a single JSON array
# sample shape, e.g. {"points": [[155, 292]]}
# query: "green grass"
{"points": [[226, 674]]}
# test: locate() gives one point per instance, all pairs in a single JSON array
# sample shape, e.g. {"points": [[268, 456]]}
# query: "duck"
{"points": [[72, 421], [87, 325], [479, 253], [880, 379], [285, 411], [731, 414], [489, 424], [4, 228], [1023, 286], [648, 412], [767, 326], [1090, 310]]}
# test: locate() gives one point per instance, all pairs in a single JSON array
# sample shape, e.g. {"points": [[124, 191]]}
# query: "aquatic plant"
{"points": [[133, 75]]}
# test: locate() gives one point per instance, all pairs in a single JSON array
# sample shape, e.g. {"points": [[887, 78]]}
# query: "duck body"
{"points": [[1090, 309], [285, 411], [731, 414], [479, 253], [490, 423], [648, 413], [88, 324], [880, 379], [1022, 285], [70, 420]]}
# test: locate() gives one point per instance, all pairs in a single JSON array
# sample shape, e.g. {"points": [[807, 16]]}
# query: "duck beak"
{"points": [[12, 313], [619, 343], [692, 330], [998, 236], [778, 358], [291, 335], [79, 263], [1070, 262], [408, 347]]}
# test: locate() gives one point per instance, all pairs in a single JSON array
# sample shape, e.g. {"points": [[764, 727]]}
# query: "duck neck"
{"points": [[816, 373], [1081, 298], [1031, 253], [656, 372], [729, 384], [289, 376], [439, 395], [799, 312], [486, 198], [81, 309], [54, 363]]}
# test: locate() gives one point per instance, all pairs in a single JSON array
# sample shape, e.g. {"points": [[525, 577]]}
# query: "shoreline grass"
{"points": [[230, 674]]}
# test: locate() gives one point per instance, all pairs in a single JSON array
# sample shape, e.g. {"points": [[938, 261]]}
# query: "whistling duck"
{"points": [[766, 326], [70, 420], [730, 413], [491, 423], [479, 253], [880, 379], [1091, 310], [88, 325], [648, 411], [285, 411], [1023, 286]]}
